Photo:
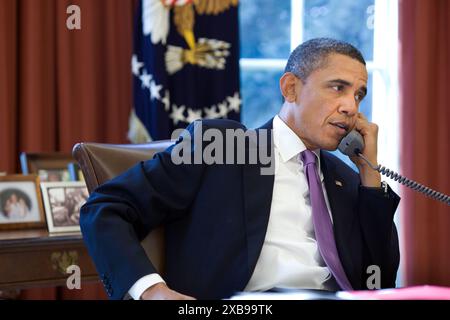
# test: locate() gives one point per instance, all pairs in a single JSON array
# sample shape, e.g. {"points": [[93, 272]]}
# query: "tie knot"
{"points": [[308, 157]]}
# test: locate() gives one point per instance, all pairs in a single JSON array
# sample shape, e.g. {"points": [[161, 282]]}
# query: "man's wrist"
{"points": [[370, 178], [143, 284], [149, 292]]}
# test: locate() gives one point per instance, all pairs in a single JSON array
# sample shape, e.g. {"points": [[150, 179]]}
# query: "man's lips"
{"points": [[343, 127]]}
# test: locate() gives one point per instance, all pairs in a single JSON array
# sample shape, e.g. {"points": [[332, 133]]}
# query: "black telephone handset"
{"points": [[353, 143]]}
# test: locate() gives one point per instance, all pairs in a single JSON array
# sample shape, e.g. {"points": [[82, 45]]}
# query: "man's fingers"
{"points": [[361, 125], [362, 116], [364, 126]]}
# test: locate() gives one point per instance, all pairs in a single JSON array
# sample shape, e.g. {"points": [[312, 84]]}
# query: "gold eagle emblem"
{"points": [[208, 53]]}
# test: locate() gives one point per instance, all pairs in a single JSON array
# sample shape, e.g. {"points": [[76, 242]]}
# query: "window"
{"points": [[270, 30]]}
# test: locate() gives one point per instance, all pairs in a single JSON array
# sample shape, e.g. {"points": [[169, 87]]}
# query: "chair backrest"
{"points": [[101, 162]]}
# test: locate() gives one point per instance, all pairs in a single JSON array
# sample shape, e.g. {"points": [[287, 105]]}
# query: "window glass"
{"points": [[261, 96], [346, 20], [260, 36]]}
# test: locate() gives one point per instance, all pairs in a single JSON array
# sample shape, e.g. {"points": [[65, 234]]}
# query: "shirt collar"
{"points": [[287, 142]]}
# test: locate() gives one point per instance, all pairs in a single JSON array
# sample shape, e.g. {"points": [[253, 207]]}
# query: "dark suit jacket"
{"points": [[216, 218]]}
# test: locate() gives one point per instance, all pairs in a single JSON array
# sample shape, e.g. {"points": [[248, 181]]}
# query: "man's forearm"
{"points": [[369, 177]]}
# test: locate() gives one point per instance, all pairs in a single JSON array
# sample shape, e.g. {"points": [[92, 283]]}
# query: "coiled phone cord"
{"points": [[408, 182]]}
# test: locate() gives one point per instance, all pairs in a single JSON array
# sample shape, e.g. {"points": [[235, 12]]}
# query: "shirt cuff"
{"points": [[143, 284]]}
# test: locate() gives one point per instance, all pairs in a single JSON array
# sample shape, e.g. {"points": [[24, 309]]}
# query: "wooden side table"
{"points": [[33, 258]]}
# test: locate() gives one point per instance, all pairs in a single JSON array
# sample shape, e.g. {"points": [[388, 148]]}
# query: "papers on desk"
{"points": [[406, 293], [287, 294]]}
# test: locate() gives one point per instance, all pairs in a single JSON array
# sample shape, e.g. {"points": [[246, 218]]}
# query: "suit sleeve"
{"points": [[120, 213], [377, 209]]}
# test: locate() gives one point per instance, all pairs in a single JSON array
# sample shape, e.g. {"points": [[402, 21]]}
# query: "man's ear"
{"points": [[287, 86]]}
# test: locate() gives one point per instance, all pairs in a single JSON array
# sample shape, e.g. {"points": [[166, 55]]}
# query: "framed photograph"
{"points": [[20, 202], [48, 166], [75, 172], [62, 203]]}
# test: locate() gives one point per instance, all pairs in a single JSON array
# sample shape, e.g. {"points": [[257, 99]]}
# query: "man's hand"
{"points": [[369, 132], [161, 291]]}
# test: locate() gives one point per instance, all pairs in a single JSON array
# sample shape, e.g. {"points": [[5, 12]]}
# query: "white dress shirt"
{"points": [[289, 257]]}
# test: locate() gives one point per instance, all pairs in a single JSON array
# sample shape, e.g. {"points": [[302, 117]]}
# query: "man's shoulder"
{"points": [[220, 124]]}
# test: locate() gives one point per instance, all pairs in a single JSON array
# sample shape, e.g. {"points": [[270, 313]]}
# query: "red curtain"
{"points": [[425, 135], [60, 86]]}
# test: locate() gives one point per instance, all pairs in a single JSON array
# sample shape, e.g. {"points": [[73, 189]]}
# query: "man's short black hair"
{"points": [[312, 55]]}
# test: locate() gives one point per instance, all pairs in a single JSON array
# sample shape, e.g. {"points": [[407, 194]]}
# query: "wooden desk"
{"points": [[32, 258]]}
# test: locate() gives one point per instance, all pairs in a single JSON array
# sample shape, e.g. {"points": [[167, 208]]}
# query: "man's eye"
{"points": [[359, 97], [338, 88]]}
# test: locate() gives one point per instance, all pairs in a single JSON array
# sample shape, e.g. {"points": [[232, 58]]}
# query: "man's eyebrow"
{"points": [[346, 83], [340, 81]]}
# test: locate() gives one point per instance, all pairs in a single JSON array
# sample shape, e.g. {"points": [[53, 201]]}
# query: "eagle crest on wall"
{"points": [[202, 52]]}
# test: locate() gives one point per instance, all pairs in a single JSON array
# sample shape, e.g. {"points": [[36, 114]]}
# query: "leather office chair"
{"points": [[102, 162]]}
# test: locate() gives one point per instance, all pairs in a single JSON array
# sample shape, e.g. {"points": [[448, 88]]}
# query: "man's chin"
{"points": [[330, 146], [330, 142]]}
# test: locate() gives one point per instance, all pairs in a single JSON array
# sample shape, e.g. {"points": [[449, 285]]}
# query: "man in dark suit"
{"points": [[308, 222]]}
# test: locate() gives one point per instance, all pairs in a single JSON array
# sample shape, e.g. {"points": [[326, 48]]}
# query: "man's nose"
{"points": [[348, 106]]}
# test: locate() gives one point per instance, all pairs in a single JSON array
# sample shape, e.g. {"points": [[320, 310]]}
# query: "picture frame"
{"points": [[75, 172], [50, 166], [62, 203], [20, 202]]}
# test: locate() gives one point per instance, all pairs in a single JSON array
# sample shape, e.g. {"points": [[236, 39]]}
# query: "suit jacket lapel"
{"points": [[258, 191], [341, 210]]}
